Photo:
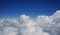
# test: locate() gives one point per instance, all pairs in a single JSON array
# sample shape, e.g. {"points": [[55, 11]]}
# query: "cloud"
{"points": [[29, 27], [41, 25], [50, 23], [10, 31], [56, 23]]}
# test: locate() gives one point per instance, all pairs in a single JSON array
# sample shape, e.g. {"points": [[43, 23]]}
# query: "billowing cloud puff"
{"points": [[10, 31], [56, 23], [29, 27], [41, 25]]}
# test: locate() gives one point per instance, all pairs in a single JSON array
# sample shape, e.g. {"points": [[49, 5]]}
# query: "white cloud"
{"points": [[27, 26], [10, 31], [56, 23], [30, 28]]}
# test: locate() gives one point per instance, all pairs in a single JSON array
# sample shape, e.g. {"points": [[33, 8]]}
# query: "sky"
{"points": [[14, 8], [29, 17]]}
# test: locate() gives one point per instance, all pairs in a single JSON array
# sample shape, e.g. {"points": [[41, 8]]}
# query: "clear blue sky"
{"points": [[14, 8]]}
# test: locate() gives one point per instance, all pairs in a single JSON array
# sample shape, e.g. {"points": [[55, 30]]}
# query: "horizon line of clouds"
{"points": [[25, 25]]}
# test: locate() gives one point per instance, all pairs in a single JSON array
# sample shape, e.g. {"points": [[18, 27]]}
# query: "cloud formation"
{"points": [[41, 25]]}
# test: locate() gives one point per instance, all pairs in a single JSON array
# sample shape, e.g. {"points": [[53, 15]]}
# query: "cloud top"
{"points": [[24, 25]]}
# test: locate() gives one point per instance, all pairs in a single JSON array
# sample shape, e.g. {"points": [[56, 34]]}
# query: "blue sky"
{"points": [[10, 8], [45, 16]]}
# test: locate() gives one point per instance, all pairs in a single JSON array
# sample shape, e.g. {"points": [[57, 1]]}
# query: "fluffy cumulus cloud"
{"points": [[41, 25]]}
